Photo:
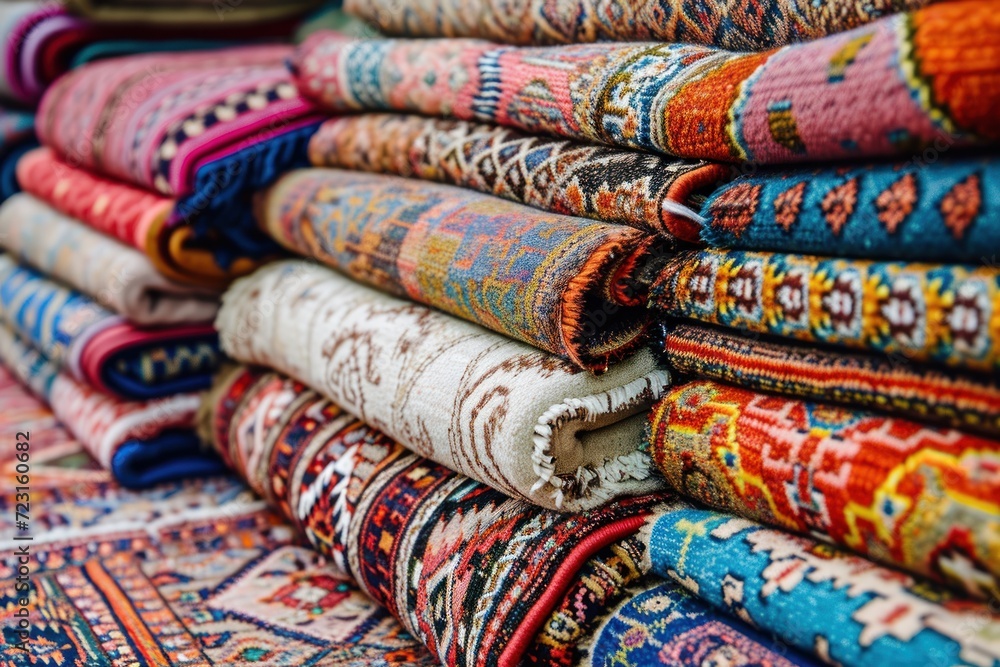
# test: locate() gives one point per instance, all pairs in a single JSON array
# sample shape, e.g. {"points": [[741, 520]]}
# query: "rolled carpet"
{"points": [[949, 314], [842, 608], [141, 443], [17, 137], [118, 277], [470, 572], [731, 24], [624, 187], [919, 498], [941, 210], [520, 420], [99, 348], [564, 285], [937, 69], [204, 128], [868, 381]]}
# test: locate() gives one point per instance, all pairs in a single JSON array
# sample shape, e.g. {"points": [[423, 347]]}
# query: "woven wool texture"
{"points": [[925, 312], [207, 128], [99, 348], [630, 188], [470, 572], [522, 421], [135, 216], [141, 443], [167, 111], [845, 609], [212, 605], [603, 582], [661, 623], [193, 572], [565, 285], [927, 500], [944, 211], [118, 277], [737, 25], [868, 381], [937, 69]]}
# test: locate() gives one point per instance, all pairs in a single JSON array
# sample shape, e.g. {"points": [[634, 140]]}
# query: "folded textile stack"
{"points": [[142, 443], [886, 88], [136, 210], [730, 24], [127, 392], [511, 416], [43, 40], [479, 577], [859, 283], [595, 350], [164, 151]]}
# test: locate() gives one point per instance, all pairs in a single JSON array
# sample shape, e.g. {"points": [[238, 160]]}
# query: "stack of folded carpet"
{"points": [[465, 440], [597, 350], [42, 40], [117, 350], [115, 262]]}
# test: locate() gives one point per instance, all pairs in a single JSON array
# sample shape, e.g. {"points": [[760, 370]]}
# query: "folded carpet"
{"points": [[610, 616], [99, 348], [56, 458], [661, 623], [946, 210], [41, 41], [736, 25], [857, 379], [191, 12], [205, 128], [600, 584], [470, 572], [937, 69], [17, 137], [923, 499], [617, 186], [141, 443], [565, 285], [520, 420], [118, 277], [135, 216], [843, 608], [948, 314]]}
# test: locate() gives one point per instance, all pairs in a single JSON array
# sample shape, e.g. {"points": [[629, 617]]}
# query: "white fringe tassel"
{"points": [[589, 481]]}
